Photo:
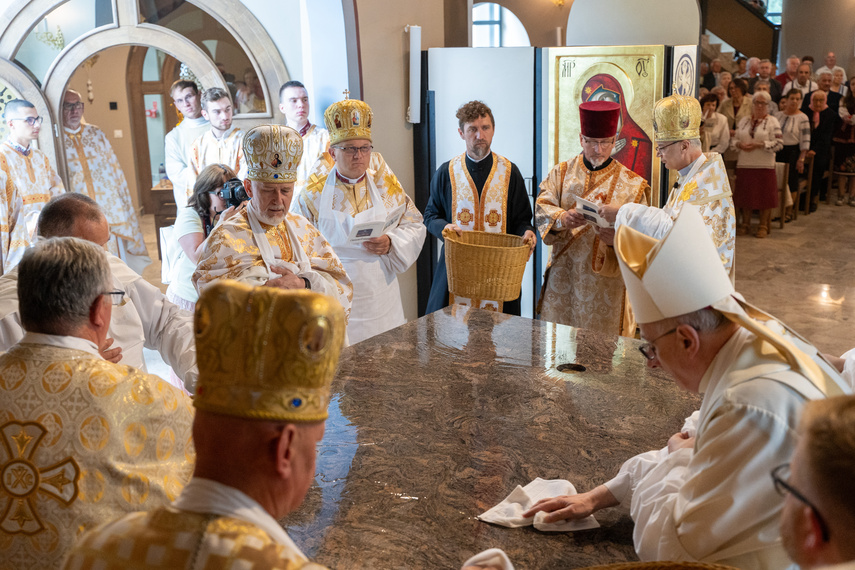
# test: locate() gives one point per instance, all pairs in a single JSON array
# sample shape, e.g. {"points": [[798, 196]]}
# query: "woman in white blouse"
{"points": [[192, 226], [758, 137], [716, 131], [795, 128]]}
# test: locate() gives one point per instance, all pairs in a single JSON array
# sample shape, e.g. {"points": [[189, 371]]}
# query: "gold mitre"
{"points": [[347, 120], [266, 353], [272, 153], [676, 118]]}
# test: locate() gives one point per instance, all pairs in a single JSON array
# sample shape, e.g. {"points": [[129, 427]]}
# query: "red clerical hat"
{"points": [[599, 119]]}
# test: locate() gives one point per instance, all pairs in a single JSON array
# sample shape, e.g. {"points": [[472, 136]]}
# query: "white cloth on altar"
{"points": [[717, 502], [509, 512], [177, 154], [495, 557], [145, 319]]}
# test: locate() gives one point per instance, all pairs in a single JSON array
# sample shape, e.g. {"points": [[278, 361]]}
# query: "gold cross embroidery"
{"points": [[24, 482]]}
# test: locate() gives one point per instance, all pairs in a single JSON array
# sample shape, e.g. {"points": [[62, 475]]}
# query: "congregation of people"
{"points": [[110, 467], [803, 118]]}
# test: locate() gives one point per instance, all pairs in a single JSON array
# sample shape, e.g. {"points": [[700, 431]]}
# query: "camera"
{"points": [[233, 193]]}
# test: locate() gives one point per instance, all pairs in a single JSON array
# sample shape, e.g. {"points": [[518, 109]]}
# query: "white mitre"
{"points": [[682, 273]]}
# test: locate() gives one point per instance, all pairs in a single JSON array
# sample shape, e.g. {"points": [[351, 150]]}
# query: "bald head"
{"points": [[74, 215]]}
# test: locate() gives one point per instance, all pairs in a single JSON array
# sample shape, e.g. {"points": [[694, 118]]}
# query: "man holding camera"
{"points": [[264, 244], [223, 144]]}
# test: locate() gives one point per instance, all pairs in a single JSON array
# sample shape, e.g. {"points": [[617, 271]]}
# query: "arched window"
{"points": [[496, 26]]}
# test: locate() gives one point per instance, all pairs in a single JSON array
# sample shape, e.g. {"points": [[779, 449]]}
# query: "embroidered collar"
{"points": [[23, 150]]}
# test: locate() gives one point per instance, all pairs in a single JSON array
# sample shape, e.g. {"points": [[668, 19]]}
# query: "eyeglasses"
{"points": [[597, 143], [355, 151], [648, 349], [32, 121], [117, 297], [661, 148], [782, 472], [72, 106]]}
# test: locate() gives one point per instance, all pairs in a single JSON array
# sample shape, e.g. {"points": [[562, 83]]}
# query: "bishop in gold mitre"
{"points": [[83, 440], [264, 243], [701, 180], [267, 357], [348, 188]]}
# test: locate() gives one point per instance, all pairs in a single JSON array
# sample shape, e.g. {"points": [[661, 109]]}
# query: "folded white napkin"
{"points": [[509, 512], [491, 557]]}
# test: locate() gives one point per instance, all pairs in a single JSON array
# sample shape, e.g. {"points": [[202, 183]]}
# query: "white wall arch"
{"points": [[20, 81], [16, 22]]}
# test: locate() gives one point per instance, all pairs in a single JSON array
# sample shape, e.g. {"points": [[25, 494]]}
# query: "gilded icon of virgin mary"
{"points": [[633, 147]]}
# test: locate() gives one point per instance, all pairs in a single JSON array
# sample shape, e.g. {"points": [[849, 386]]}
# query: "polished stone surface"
{"points": [[438, 420]]}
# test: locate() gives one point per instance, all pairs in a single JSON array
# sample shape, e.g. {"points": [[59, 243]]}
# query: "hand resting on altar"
{"points": [[572, 507]]}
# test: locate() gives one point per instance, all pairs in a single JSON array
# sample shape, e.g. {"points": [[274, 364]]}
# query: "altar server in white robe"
{"points": [[294, 103], [26, 166], [222, 143], [144, 318], [708, 497], [186, 96], [94, 170], [14, 236], [264, 243], [702, 180], [347, 194]]}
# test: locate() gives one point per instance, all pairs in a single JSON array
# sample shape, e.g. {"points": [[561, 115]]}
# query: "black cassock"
{"points": [[438, 214]]}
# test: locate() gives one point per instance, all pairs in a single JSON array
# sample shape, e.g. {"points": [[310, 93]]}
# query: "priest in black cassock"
{"points": [[478, 190]]}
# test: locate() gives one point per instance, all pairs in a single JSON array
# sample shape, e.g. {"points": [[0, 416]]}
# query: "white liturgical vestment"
{"points": [[316, 143], [207, 149], [717, 502], [335, 204], [84, 441], [35, 180], [14, 236], [144, 319], [245, 249], [230, 530], [94, 170], [704, 184], [177, 150]]}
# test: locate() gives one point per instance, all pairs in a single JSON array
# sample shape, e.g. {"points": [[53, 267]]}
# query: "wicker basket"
{"points": [[484, 265]]}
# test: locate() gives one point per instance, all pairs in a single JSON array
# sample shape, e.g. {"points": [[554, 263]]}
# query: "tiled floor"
{"points": [[802, 274]]}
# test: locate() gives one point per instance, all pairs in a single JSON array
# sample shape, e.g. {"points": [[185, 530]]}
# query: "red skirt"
{"points": [[756, 189]]}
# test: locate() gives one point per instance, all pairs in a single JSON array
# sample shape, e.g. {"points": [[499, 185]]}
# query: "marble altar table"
{"points": [[436, 421]]}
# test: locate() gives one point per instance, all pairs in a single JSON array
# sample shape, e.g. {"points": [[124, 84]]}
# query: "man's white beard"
{"points": [[264, 218], [596, 163]]}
